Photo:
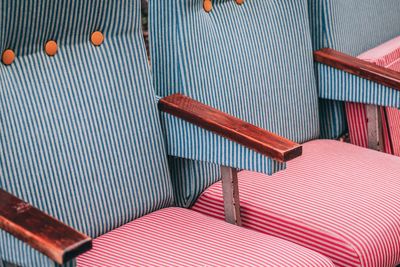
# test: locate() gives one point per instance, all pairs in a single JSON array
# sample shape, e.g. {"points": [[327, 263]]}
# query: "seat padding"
{"points": [[181, 237], [338, 199]]}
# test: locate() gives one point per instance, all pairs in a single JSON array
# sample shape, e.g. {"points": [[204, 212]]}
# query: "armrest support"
{"points": [[253, 137], [56, 240], [358, 67]]}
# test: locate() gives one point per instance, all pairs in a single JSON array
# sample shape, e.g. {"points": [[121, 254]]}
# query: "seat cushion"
{"points": [[386, 55], [181, 237], [337, 199]]}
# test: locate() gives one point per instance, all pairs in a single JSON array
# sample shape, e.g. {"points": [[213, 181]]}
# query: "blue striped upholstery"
{"points": [[255, 90], [339, 85], [351, 27], [187, 141], [80, 132], [329, 112]]}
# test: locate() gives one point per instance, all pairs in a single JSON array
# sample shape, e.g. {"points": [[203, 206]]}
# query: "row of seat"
{"points": [[82, 139]]}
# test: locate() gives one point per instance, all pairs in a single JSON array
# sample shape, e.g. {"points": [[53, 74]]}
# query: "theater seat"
{"points": [[386, 55], [180, 237], [328, 200]]}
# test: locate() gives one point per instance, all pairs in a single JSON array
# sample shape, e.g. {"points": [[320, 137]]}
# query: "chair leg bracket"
{"points": [[230, 189]]}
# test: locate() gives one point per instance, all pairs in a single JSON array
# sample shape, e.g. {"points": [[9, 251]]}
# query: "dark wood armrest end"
{"points": [[42, 232]]}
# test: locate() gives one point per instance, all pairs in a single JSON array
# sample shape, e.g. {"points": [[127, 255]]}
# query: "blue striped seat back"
{"points": [[80, 136], [253, 61], [351, 27]]}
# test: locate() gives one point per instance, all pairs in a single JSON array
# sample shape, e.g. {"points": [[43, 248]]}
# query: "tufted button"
{"points": [[8, 57], [239, 2], [97, 38], [207, 5], [51, 48]]}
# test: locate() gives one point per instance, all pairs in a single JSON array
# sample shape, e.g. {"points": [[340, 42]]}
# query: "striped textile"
{"points": [[393, 116], [386, 55], [205, 146], [208, 57], [332, 111], [357, 120], [351, 27], [80, 133], [358, 131], [337, 199], [179, 237], [335, 84]]}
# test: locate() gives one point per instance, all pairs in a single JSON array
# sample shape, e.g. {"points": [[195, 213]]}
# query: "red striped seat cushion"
{"points": [[338, 199], [386, 55], [181, 237]]}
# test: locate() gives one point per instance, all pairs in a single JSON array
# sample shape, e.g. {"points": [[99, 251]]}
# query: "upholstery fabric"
{"points": [[332, 111], [70, 142], [339, 85], [337, 199], [185, 140], [386, 55], [232, 60], [358, 126], [180, 237], [351, 27]]}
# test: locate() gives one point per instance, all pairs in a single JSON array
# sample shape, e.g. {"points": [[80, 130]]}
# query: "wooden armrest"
{"points": [[358, 67], [54, 239], [246, 134]]}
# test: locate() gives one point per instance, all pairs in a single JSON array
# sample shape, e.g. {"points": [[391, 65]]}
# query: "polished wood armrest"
{"points": [[246, 134], [358, 67], [51, 237]]}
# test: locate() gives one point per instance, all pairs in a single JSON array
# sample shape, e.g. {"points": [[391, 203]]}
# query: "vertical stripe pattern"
{"points": [[259, 70], [386, 55], [80, 134], [205, 146], [337, 199], [351, 27], [335, 84]]}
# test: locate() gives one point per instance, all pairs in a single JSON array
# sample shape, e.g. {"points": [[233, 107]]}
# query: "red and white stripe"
{"points": [[386, 55], [337, 199], [393, 116], [358, 129], [181, 237]]}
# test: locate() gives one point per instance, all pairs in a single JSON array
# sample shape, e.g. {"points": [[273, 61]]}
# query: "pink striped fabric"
{"points": [[180, 237], [337, 199], [386, 55], [358, 130]]}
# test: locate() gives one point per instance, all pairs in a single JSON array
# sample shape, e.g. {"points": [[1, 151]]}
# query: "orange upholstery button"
{"points": [[239, 2], [8, 57], [51, 48], [207, 5], [97, 38]]}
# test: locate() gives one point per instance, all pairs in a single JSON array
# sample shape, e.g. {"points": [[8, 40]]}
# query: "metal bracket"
{"points": [[375, 128], [230, 190]]}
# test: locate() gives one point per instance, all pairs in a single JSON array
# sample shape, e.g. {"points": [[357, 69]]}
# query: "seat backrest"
{"points": [[80, 136], [253, 61], [351, 27]]}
